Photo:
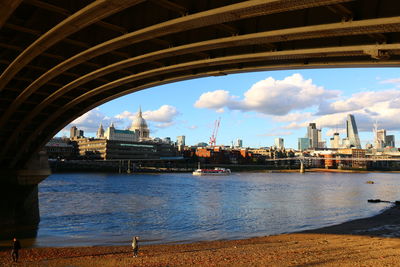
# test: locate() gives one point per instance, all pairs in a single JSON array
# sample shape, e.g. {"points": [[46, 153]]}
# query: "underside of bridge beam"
{"points": [[61, 59]]}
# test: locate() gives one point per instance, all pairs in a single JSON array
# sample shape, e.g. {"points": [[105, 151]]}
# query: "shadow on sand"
{"points": [[385, 224]]}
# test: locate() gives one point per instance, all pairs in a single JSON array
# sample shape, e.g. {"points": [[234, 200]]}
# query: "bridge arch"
{"points": [[63, 59], [60, 59]]}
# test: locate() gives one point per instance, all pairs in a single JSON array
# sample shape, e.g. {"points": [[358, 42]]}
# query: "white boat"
{"points": [[215, 171]]}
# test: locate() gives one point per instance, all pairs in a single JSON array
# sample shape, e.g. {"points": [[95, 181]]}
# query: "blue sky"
{"points": [[257, 107]]}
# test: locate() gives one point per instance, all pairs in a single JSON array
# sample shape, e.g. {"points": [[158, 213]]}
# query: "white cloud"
{"points": [[165, 113], [90, 121], [395, 81], [367, 107], [296, 125], [330, 132], [214, 100], [279, 97], [165, 124], [270, 96], [165, 116], [362, 100], [126, 115], [387, 118]]}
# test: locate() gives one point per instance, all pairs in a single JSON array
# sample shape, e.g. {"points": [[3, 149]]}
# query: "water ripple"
{"points": [[104, 209]]}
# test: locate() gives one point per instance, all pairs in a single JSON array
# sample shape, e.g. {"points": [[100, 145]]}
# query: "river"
{"points": [[85, 209]]}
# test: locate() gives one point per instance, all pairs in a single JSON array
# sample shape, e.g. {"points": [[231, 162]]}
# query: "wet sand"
{"points": [[372, 241]]}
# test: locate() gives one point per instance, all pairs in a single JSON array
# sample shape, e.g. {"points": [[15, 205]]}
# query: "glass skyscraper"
{"points": [[303, 143], [352, 132], [312, 134]]}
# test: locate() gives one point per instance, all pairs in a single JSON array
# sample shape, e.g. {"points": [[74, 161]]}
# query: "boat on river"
{"points": [[215, 171]]}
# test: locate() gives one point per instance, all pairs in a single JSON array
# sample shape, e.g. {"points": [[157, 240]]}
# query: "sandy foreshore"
{"points": [[372, 241]]}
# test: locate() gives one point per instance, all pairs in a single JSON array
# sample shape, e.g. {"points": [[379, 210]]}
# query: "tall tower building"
{"points": [[180, 142], [279, 143], [390, 141], [321, 142], [352, 132], [335, 141], [239, 143], [74, 132], [312, 135], [380, 138], [303, 143]]}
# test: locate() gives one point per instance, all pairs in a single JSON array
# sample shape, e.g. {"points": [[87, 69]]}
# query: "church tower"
{"points": [[100, 132], [139, 125]]}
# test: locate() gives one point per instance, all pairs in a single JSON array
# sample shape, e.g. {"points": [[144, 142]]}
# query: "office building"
{"points": [[380, 138], [352, 132], [390, 142], [279, 143], [76, 133], [322, 144], [59, 148], [202, 144], [73, 132], [312, 135], [335, 141], [114, 149], [303, 143], [167, 140], [345, 143], [239, 143], [180, 142]]}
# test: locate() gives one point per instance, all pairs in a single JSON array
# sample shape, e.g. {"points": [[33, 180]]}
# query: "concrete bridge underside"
{"points": [[59, 59]]}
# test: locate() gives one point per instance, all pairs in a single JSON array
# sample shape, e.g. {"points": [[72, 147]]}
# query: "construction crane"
{"points": [[213, 138]]}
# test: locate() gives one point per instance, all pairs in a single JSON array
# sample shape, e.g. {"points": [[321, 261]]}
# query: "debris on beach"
{"points": [[378, 201]]}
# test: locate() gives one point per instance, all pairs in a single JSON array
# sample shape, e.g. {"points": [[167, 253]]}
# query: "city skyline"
{"points": [[259, 107]]}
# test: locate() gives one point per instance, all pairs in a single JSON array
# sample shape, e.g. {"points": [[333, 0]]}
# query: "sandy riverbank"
{"points": [[366, 242]]}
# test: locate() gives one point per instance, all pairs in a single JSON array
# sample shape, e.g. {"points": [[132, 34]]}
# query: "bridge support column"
{"points": [[19, 206], [19, 202], [302, 170]]}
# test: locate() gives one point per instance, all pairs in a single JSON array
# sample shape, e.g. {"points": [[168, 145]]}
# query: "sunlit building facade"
{"points": [[352, 132]]}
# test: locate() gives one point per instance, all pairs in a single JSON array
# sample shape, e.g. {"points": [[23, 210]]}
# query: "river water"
{"points": [[108, 209]]}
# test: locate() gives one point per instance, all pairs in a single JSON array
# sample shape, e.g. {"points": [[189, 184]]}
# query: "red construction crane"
{"points": [[213, 138]]}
